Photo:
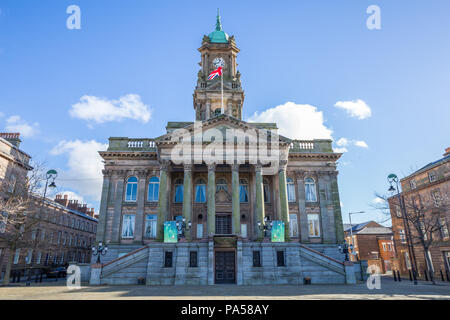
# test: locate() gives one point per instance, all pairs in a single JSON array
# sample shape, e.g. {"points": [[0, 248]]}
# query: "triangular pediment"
{"points": [[222, 123]]}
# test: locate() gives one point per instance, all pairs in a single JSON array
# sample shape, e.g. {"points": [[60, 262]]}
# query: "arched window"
{"points": [[310, 190], [131, 190], [179, 190], [243, 190], [200, 191], [266, 191], [221, 184], [290, 189], [153, 189]]}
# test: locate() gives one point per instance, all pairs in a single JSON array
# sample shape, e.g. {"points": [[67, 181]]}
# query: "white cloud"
{"points": [[102, 110], [356, 108], [378, 200], [84, 173], [361, 144], [295, 121], [17, 124], [342, 143]]}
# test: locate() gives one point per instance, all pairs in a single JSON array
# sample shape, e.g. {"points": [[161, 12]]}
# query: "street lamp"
{"points": [[344, 249], [351, 228], [182, 226], [392, 178], [265, 226], [99, 250], [50, 175]]}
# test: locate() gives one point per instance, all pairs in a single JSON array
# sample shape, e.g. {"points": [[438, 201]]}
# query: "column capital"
{"points": [[120, 173], [300, 174], [282, 166], [164, 165], [258, 167], [107, 172], [211, 166], [235, 167]]}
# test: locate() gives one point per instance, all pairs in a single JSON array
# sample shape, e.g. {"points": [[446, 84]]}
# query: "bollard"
{"points": [[410, 275], [442, 276], [395, 275], [398, 276], [426, 275]]}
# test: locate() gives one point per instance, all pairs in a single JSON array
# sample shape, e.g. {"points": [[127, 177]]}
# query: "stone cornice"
{"points": [[108, 155]]}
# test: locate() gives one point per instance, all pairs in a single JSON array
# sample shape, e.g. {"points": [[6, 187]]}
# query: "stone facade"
{"points": [[225, 203]]}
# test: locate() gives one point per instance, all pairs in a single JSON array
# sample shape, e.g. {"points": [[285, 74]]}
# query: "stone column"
{"points": [[304, 229], [283, 197], [139, 221], [162, 200], [187, 197], [101, 229], [236, 204], [324, 219], [208, 110], [339, 229], [118, 207], [211, 199], [259, 203]]}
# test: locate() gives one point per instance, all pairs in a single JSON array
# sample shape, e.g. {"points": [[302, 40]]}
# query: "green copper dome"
{"points": [[218, 36]]}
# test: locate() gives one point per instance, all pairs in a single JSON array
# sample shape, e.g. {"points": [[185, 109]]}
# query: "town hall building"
{"points": [[227, 184]]}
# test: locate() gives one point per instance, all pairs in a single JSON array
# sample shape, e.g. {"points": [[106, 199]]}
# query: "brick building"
{"points": [[427, 187], [372, 242], [66, 227]]}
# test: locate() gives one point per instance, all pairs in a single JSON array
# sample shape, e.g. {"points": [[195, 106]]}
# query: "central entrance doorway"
{"points": [[225, 267]]}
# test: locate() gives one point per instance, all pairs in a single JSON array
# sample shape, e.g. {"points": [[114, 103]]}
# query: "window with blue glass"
{"points": [[153, 189], [178, 191], [200, 191], [243, 190], [131, 189], [310, 190], [290, 189]]}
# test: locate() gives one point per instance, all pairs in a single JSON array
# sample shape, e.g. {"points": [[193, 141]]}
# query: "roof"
{"points": [[429, 166], [375, 230], [355, 227], [218, 35]]}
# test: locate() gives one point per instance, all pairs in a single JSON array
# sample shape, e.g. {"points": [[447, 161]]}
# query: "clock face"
{"points": [[218, 62]]}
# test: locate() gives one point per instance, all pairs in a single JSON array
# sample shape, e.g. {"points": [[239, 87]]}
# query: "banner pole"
{"points": [[221, 87]]}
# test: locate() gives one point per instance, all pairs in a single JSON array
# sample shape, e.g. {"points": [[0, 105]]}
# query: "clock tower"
{"points": [[207, 93]]}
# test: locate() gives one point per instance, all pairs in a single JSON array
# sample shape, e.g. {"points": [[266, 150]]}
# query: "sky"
{"points": [[314, 67]]}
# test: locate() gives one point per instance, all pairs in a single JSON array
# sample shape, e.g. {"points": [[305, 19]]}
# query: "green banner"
{"points": [[277, 231], [170, 231]]}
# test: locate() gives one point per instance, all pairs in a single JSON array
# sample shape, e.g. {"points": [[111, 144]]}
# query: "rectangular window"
{"points": [[280, 259], [257, 258], [412, 184], [291, 192], [150, 226], [243, 193], [436, 195], [16, 256], [193, 263], [444, 228], [128, 226], [179, 193], [2, 223], [314, 225], [199, 230], [223, 224], [293, 225], [432, 176], [402, 236], [29, 256], [168, 259], [384, 247], [38, 257], [200, 193]]}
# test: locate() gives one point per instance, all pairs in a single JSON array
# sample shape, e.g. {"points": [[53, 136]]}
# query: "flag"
{"points": [[215, 73]]}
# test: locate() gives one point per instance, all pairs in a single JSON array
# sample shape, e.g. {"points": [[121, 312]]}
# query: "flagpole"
{"points": [[221, 87]]}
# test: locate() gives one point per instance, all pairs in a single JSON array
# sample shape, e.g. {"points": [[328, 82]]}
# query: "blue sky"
{"points": [[312, 53]]}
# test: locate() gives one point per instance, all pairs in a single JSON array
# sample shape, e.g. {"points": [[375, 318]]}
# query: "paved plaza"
{"points": [[389, 290]]}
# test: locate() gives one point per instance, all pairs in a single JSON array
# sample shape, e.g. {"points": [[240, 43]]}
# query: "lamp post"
{"points": [[99, 250], [351, 229], [182, 226], [392, 178], [344, 249], [265, 226]]}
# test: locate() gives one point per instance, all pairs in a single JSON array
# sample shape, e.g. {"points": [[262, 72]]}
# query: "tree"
{"points": [[425, 214], [20, 212]]}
